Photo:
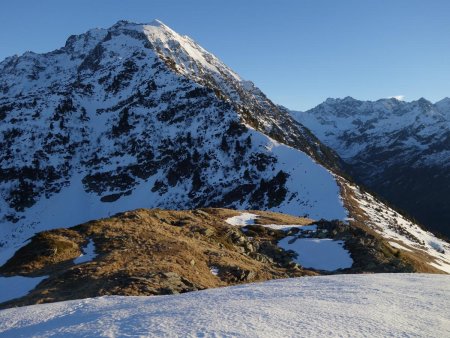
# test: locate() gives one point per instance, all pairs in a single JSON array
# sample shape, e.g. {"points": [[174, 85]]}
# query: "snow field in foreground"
{"points": [[395, 305]]}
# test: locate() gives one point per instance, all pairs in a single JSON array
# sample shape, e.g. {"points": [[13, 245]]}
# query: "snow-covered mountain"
{"points": [[138, 116], [374, 305], [401, 150]]}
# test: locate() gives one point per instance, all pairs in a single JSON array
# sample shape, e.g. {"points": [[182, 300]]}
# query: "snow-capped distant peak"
{"points": [[444, 106], [397, 97]]}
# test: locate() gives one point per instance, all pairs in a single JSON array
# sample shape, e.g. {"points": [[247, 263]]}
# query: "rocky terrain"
{"points": [[157, 252], [401, 150]]}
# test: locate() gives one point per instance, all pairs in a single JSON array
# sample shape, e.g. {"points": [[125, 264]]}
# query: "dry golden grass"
{"points": [[145, 252], [267, 217]]}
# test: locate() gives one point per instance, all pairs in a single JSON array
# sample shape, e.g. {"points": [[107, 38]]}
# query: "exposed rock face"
{"points": [[401, 150]]}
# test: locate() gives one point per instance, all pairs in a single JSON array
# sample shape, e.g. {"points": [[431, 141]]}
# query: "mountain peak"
{"points": [[348, 98], [121, 23], [444, 101], [336, 101], [424, 103], [444, 106], [149, 95], [157, 22]]}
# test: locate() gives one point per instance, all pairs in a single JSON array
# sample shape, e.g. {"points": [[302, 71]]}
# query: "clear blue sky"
{"points": [[298, 52]]}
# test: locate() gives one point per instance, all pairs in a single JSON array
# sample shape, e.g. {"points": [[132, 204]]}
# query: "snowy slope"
{"points": [[17, 286], [399, 149], [402, 233], [311, 190], [345, 305]]}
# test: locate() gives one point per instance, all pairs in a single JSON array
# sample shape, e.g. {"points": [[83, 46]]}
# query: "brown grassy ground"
{"points": [[150, 252]]}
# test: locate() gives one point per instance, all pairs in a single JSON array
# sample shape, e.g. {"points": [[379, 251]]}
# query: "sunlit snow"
{"points": [[377, 305], [88, 253], [393, 226], [243, 219]]}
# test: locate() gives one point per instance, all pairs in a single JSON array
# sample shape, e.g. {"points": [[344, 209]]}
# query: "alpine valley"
{"points": [[400, 150], [138, 117]]}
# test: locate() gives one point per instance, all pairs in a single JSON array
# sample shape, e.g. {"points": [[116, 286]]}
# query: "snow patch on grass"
{"points": [[88, 253], [321, 254], [287, 227], [246, 218], [243, 219], [214, 270], [399, 246]]}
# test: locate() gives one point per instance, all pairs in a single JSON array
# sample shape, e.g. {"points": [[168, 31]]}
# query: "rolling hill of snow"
{"points": [[400, 305]]}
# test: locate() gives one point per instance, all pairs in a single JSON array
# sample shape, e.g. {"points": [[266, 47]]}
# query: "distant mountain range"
{"points": [[400, 150], [138, 116]]}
